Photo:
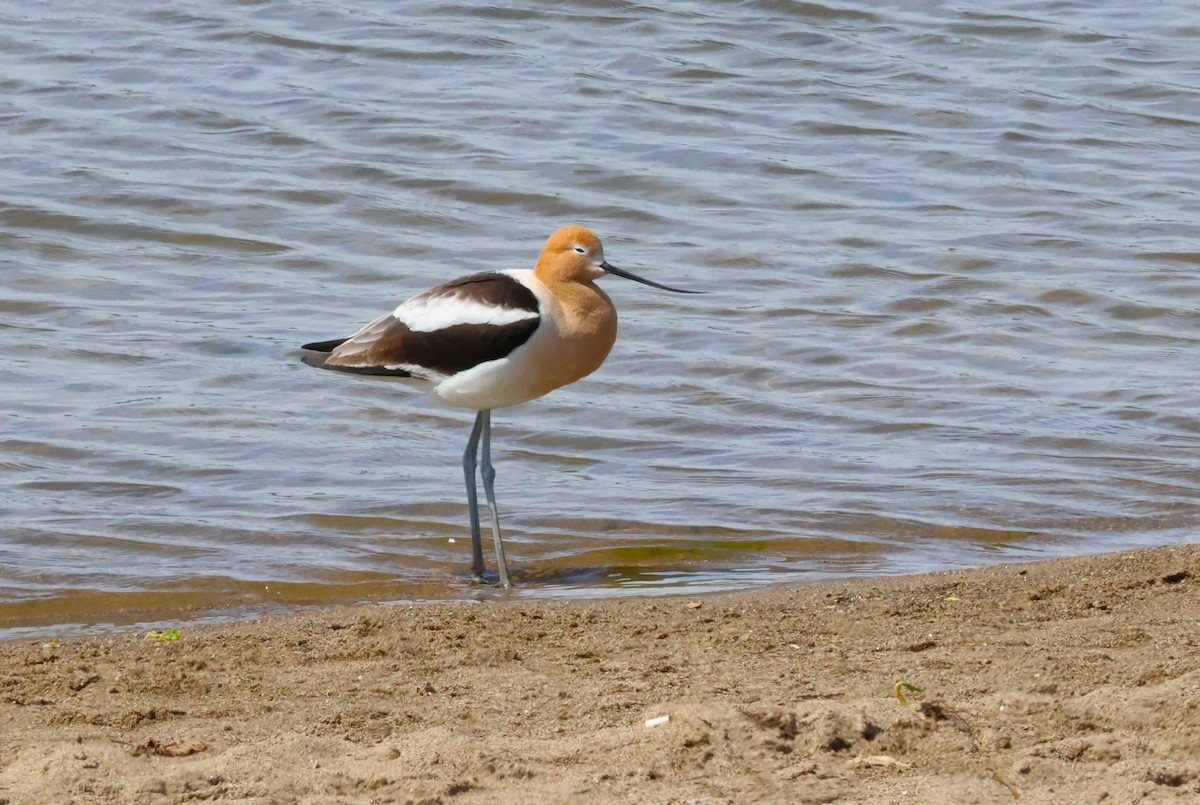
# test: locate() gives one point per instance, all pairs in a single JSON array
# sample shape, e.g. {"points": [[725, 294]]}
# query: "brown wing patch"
{"points": [[489, 288], [442, 352]]}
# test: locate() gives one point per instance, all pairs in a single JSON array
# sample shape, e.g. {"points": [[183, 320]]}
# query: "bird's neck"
{"points": [[587, 312]]}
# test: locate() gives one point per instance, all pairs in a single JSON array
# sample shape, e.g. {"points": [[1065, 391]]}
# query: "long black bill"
{"points": [[620, 272]]}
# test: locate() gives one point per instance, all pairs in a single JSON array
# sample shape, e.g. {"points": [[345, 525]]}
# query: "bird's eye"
{"points": [[580, 250]]}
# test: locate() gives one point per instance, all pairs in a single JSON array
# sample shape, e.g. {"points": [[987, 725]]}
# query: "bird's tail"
{"points": [[325, 346]]}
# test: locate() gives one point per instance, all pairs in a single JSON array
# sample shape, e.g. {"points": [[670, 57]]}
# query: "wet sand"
{"points": [[1063, 681]]}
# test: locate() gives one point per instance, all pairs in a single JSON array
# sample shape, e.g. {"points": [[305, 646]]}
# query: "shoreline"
{"points": [[1060, 680]]}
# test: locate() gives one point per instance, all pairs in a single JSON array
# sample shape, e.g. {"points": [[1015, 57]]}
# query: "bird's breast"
{"points": [[585, 325]]}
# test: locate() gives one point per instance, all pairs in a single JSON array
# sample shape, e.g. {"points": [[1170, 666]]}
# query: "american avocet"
{"points": [[494, 340]]}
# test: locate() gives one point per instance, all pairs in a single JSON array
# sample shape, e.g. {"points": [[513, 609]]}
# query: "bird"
{"points": [[493, 340]]}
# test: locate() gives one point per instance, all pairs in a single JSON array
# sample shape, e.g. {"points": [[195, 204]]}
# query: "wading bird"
{"points": [[494, 340]]}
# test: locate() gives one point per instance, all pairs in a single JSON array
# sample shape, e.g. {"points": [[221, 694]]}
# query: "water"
{"points": [[950, 260]]}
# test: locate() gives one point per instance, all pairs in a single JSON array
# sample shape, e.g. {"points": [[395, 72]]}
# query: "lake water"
{"points": [[950, 258]]}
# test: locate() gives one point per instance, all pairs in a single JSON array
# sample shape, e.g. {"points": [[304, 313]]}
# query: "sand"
{"points": [[1067, 681]]}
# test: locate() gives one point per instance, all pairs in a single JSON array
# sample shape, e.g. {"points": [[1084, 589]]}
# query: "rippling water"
{"points": [[950, 257]]}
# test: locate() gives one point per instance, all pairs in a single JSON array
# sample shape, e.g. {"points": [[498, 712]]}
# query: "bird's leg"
{"points": [[489, 477], [472, 496]]}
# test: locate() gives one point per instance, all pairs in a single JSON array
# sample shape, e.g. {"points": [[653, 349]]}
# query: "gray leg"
{"points": [[489, 477], [473, 496]]}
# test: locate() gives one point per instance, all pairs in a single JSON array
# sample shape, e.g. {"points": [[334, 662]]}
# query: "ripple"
{"points": [[950, 318]]}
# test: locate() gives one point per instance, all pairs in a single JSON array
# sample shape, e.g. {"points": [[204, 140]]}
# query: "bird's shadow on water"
{"points": [[602, 581]]}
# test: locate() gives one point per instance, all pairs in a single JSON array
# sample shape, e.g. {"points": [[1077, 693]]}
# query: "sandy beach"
{"points": [[1062, 681]]}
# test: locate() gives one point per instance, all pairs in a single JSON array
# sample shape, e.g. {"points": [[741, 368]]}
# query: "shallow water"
{"points": [[950, 261]]}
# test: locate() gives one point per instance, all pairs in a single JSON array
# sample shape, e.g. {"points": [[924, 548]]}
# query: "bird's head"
{"points": [[575, 254]]}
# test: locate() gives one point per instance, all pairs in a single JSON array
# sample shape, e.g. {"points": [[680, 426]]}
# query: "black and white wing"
{"points": [[446, 330]]}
